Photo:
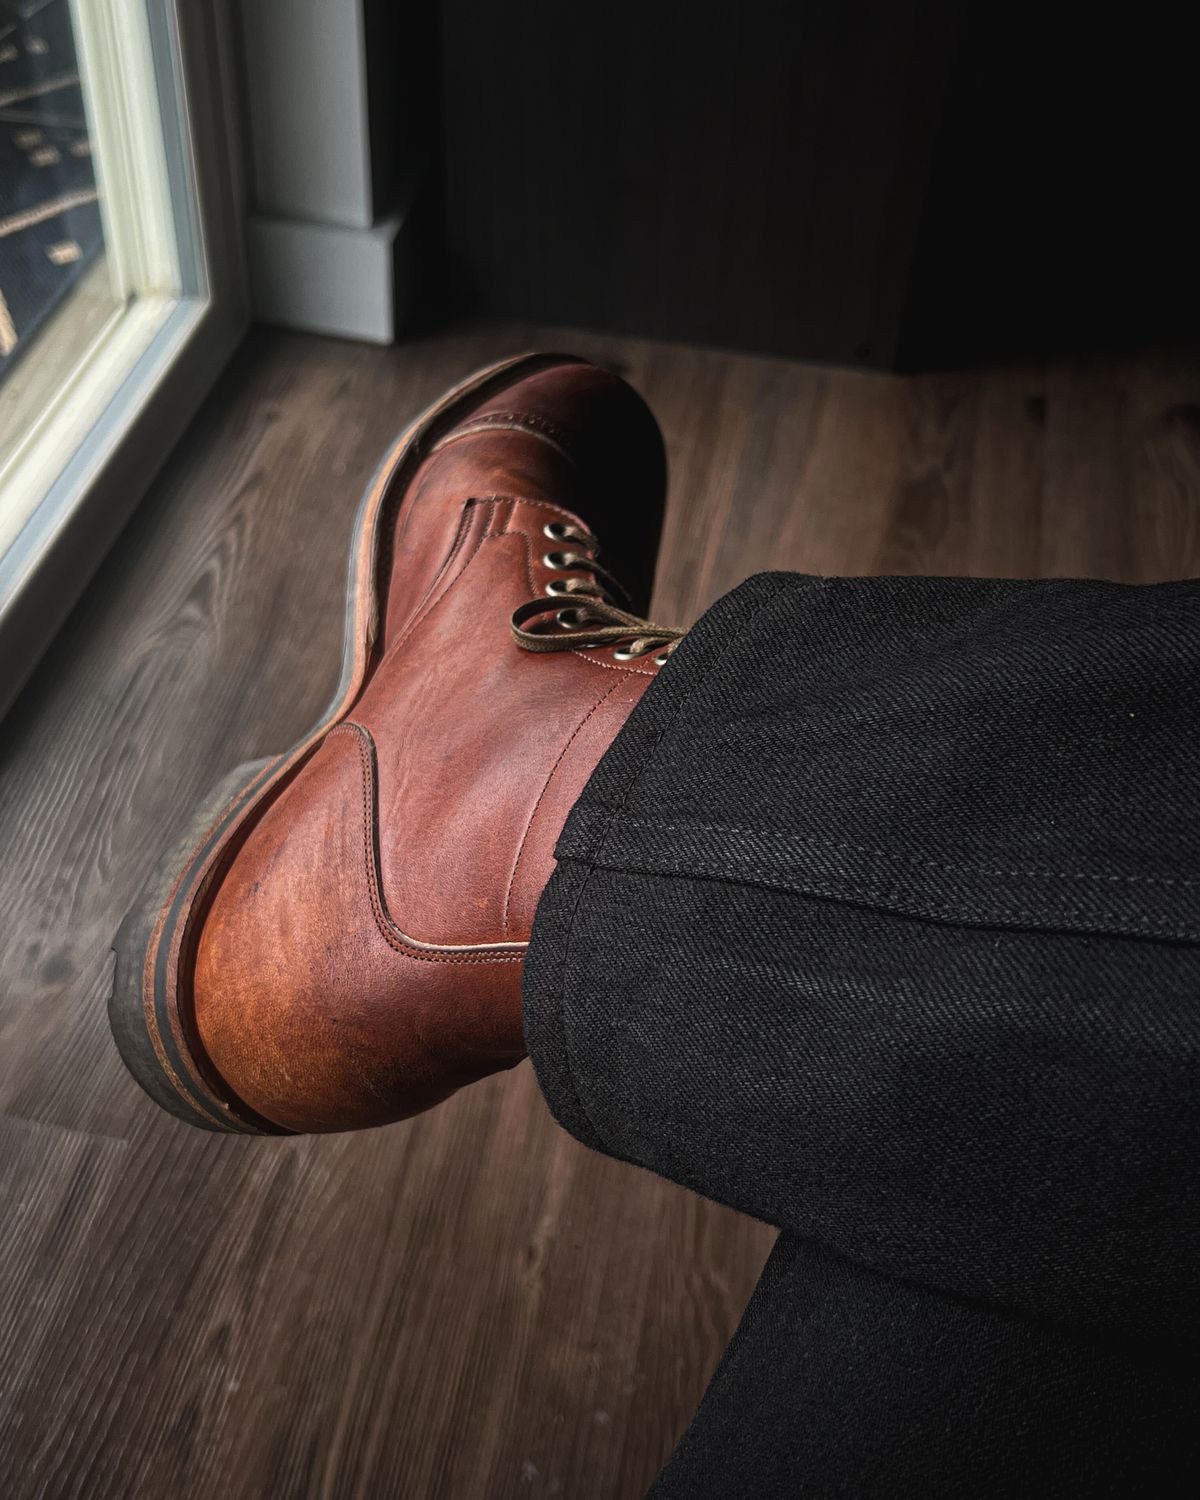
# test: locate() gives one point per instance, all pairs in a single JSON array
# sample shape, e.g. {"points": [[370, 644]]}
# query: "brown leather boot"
{"points": [[338, 940]]}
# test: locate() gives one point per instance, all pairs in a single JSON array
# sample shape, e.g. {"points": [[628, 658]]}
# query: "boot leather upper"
{"points": [[362, 956]]}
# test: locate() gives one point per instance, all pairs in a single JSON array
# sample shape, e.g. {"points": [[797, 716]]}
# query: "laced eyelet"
{"points": [[555, 530], [621, 654], [557, 587], [572, 619], [560, 560]]}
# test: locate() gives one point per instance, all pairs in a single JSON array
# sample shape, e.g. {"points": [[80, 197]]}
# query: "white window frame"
{"points": [[120, 421]]}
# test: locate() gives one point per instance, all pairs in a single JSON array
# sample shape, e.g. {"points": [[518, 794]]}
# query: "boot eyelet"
{"points": [[571, 619], [558, 561], [661, 659], [555, 530], [557, 587], [620, 654]]}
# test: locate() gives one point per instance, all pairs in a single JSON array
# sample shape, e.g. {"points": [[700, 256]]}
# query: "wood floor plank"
{"points": [[469, 1304]]}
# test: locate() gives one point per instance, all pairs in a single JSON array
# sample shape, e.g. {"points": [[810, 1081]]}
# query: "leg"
{"points": [[840, 1382], [877, 922]]}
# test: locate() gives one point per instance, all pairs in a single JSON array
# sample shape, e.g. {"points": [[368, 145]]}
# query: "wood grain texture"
{"points": [[469, 1304]]}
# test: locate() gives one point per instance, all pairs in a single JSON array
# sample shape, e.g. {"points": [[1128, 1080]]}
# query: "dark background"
{"points": [[901, 185]]}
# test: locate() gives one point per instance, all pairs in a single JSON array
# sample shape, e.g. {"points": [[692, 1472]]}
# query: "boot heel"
{"points": [[126, 1005]]}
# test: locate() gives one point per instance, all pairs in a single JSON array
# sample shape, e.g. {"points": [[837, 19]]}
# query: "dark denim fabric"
{"points": [[880, 921]]}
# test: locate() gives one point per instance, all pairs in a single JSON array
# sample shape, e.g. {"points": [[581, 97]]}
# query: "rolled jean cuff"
{"points": [[546, 993], [877, 921]]}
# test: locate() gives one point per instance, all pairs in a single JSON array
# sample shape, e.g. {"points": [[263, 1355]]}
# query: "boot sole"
{"points": [[148, 1009]]}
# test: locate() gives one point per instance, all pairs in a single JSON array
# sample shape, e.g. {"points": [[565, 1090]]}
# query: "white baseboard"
{"points": [[329, 278]]}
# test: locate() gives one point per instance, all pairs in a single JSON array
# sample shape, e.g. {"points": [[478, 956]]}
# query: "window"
{"points": [[121, 290]]}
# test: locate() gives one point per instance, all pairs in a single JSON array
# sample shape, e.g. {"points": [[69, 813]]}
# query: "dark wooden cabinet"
{"points": [[894, 184], [744, 174]]}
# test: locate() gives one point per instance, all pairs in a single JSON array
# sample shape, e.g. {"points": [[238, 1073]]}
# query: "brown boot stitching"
{"points": [[430, 599], [390, 931], [512, 421]]}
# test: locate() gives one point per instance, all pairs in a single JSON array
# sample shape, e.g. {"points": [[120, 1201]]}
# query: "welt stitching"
{"points": [[604, 697], [387, 928], [913, 859]]}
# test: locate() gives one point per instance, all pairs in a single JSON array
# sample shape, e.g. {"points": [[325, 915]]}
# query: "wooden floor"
{"points": [[470, 1305]]}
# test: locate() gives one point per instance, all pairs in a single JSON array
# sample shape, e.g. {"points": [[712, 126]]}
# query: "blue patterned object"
{"points": [[49, 217]]}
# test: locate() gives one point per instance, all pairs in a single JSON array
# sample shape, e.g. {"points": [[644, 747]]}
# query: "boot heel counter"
{"points": [[306, 990]]}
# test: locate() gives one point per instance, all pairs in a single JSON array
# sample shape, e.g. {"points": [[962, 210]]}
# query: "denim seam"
{"points": [[561, 1010], [811, 842], [593, 863], [961, 916]]}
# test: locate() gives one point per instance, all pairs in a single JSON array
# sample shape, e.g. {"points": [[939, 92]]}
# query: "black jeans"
{"points": [[880, 921]]}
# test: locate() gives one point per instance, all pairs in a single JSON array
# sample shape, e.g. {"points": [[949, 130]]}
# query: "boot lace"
{"points": [[596, 619]]}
